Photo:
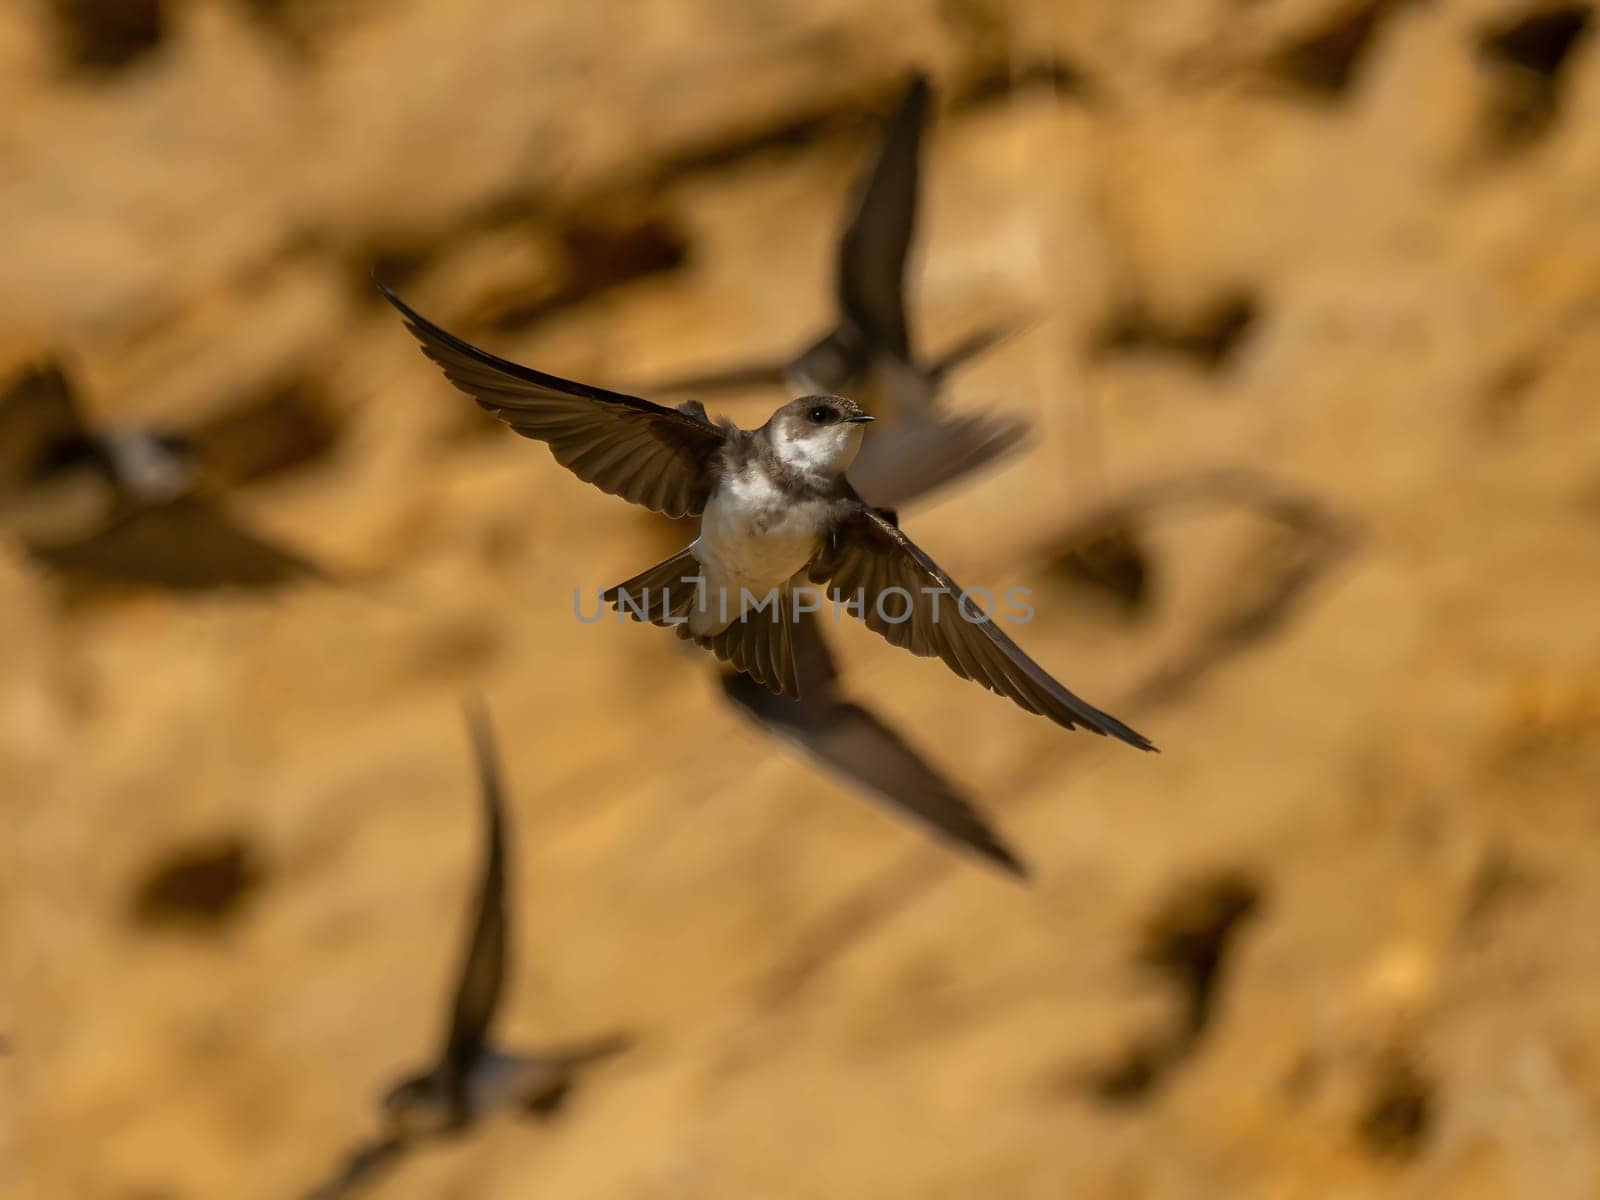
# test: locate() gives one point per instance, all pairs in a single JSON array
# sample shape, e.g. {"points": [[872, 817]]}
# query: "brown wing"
{"points": [[971, 346], [859, 747], [364, 1163], [917, 456], [737, 378], [645, 453], [289, 428], [483, 967], [873, 250], [575, 1056], [37, 413], [191, 544], [867, 556]]}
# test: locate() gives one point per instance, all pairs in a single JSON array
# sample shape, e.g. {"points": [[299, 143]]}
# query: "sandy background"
{"points": [[1339, 939]]}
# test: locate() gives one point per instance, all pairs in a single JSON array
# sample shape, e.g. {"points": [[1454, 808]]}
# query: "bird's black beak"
{"points": [[861, 418]]}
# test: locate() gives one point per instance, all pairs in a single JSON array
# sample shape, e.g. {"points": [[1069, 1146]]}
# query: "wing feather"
{"points": [[483, 966], [876, 242], [646, 453], [867, 555]]}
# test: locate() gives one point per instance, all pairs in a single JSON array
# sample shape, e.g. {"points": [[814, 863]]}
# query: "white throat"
{"points": [[826, 451]]}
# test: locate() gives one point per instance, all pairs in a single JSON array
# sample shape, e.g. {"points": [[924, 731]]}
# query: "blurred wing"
{"points": [[191, 544], [575, 1056], [291, 427], [645, 453], [915, 457], [873, 250], [483, 969], [970, 347], [868, 556], [857, 746], [37, 412], [366, 1162], [738, 378], [552, 1074]]}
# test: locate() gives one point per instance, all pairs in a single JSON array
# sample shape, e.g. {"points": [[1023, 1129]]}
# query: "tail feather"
{"points": [[760, 643], [658, 594]]}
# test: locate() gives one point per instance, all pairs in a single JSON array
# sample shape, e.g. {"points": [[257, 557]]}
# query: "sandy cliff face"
{"points": [[1337, 940]]}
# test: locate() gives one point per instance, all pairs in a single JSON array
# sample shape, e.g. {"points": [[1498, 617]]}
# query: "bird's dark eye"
{"points": [[820, 414]]}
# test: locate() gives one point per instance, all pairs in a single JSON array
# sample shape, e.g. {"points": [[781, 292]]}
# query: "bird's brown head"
{"points": [[818, 434]]}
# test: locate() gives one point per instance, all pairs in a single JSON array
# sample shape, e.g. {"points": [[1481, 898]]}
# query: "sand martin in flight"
{"points": [[141, 506], [776, 514], [869, 355], [472, 1077]]}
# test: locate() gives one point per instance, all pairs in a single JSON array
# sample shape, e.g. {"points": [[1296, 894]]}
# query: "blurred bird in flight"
{"points": [[869, 353], [473, 1078], [125, 505]]}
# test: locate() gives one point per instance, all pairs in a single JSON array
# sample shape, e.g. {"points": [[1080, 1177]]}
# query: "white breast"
{"points": [[151, 471], [756, 536]]}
